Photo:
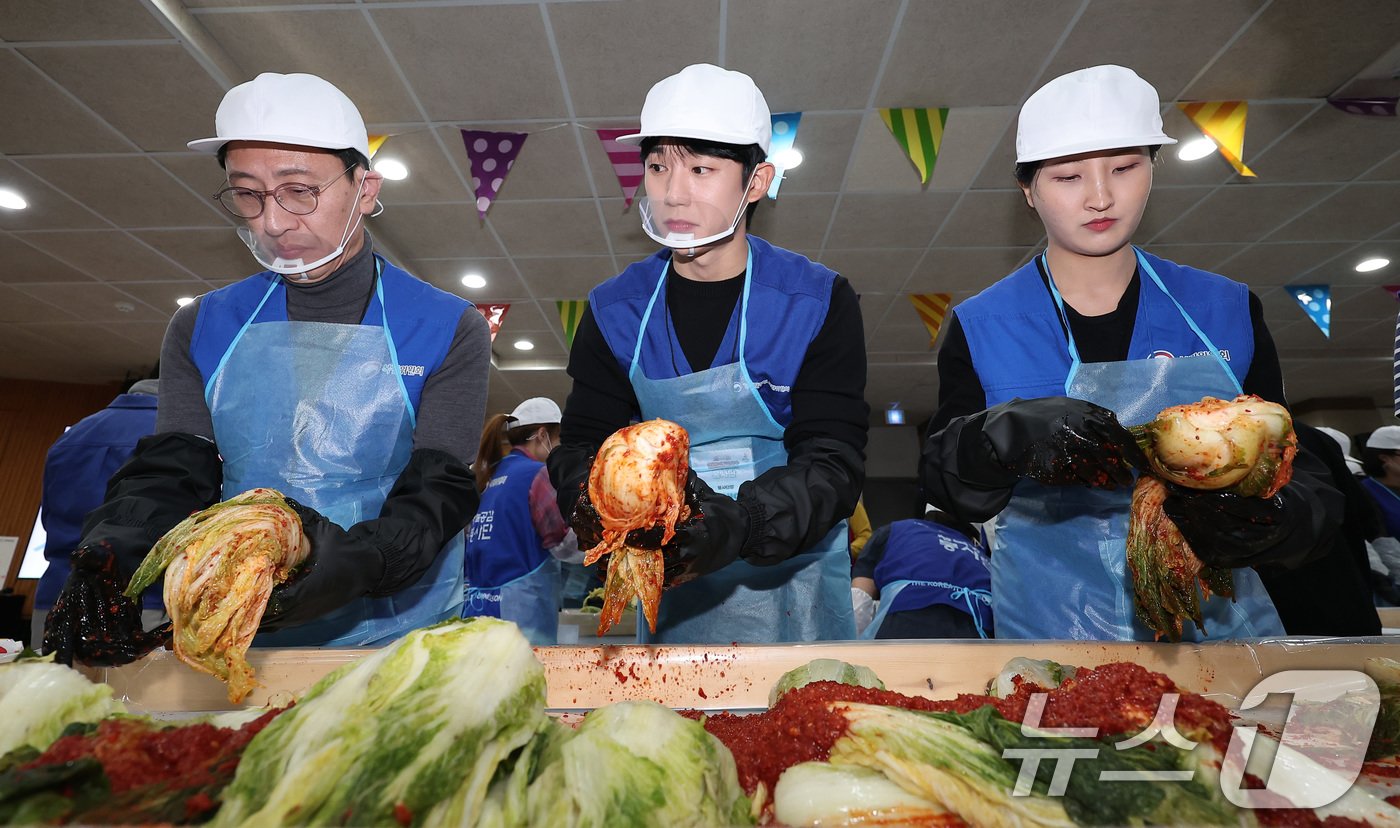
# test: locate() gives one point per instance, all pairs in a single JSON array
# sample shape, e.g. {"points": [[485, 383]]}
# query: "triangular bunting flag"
{"points": [[495, 317], [932, 307], [1383, 107], [492, 155], [375, 142], [780, 147], [1316, 302], [920, 133], [570, 312], [626, 161], [1393, 290], [1223, 122]]}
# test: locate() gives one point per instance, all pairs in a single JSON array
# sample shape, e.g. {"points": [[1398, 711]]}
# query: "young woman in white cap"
{"points": [[1039, 370], [518, 537], [332, 376], [758, 352]]}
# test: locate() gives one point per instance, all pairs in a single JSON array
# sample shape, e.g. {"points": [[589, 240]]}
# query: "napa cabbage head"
{"points": [[39, 698], [824, 669], [417, 729], [820, 793], [637, 763]]}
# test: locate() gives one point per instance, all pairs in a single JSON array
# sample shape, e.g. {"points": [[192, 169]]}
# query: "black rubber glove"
{"points": [[719, 531], [1059, 441], [336, 572], [92, 622]]}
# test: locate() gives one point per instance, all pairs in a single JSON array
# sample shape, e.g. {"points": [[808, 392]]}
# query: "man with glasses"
{"points": [[332, 376]]}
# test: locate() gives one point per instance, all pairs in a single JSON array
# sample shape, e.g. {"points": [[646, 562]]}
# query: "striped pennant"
{"points": [[1224, 122], [920, 133], [931, 307], [626, 163], [570, 312], [1397, 366]]}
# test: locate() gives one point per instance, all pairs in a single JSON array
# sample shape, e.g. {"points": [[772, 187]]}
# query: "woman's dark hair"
{"points": [[749, 156], [350, 158], [1025, 173], [497, 439]]}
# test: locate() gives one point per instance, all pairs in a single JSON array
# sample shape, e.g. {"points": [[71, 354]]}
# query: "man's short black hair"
{"points": [[1025, 173], [749, 157], [349, 158]]}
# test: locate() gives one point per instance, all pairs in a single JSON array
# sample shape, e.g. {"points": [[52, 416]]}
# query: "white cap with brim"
{"points": [[707, 103], [1386, 438], [1099, 108], [535, 411], [298, 109]]}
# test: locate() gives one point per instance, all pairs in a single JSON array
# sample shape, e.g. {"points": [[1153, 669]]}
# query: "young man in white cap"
{"points": [[1039, 370], [332, 376], [758, 352]]}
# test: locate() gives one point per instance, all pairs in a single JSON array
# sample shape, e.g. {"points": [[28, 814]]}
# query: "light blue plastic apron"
{"points": [[976, 599], [733, 439], [319, 412], [531, 601], [1059, 563]]}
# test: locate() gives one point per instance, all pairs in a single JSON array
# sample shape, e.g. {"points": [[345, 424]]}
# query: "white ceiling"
{"points": [[100, 96]]}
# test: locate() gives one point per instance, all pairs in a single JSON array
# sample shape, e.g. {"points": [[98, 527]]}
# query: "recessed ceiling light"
{"points": [[474, 280], [788, 159], [11, 200], [524, 345], [1368, 265], [1196, 150], [184, 300], [391, 169]]}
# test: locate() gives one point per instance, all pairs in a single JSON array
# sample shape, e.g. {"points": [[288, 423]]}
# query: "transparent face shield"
{"points": [[692, 223], [269, 259]]}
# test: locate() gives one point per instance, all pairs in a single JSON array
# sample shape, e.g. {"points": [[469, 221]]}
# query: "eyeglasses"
{"points": [[297, 199]]}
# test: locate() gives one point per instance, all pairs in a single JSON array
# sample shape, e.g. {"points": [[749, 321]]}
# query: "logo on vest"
{"points": [[404, 370], [781, 389], [1162, 354]]}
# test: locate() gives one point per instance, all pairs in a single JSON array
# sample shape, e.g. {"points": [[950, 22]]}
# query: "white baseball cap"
{"points": [[709, 103], [1341, 439], [303, 110], [1099, 108], [535, 411], [1386, 438]]}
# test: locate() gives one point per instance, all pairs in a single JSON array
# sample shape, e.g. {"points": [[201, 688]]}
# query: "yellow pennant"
{"points": [[375, 142], [1223, 121], [570, 312], [932, 307], [920, 133]]}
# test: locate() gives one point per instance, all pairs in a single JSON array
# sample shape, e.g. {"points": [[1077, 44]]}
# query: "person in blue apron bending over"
{"points": [[758, 352], [1040, 373], [518, 537], [332, 376], [1380, 460], [930, 577]]}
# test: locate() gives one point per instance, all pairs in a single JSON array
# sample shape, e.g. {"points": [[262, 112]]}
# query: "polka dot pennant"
{"points": [[1382, 107], [1316, 302], [492, 155]]}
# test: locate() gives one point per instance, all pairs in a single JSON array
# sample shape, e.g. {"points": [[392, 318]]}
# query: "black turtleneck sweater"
{"points": [[453, 405]]}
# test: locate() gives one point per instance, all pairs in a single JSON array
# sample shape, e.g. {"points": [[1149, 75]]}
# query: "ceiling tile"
{"points": [[954, 269], [625, 229], [1202, 256], [1241, 213], [941, 55], [20, 262], [1266, 123], [1279, 264], [874, 307], [199, 6], [130, 191], [109, 255], [889, 220], [148, 336], [991, 218], [26, 20], [1358, 212], [568, 277], [209, 254], [549, 228], [1328, 146], [162, 295], [1388, 170], [158, 96], [998, 173], [878, 164], [826, 142], [810, 54], [48, 208], [201, 174], [1300, 49], [794, 221], [90, 353], [21, 307], [505, 44], [1184, 35], [315, 41], [548, 166], [40, 118], [873, 271], [431, 175], [969, 133], [525, 317], [1165, 205], [437, 231], [502, 285], [95, 303], [899, 335], [613, 82]]}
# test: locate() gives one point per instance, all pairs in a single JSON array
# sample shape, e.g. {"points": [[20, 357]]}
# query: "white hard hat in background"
{"points": [[708, 103], [1099, 108], [1386, 438], [1341, 439], [535, 411], [297, 109]]}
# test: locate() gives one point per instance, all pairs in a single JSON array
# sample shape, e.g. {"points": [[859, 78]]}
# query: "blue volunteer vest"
{"points": [[1018, 343], [920, 550], [422, 321], [788, 300], [1389, 503], [502, 544]]}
